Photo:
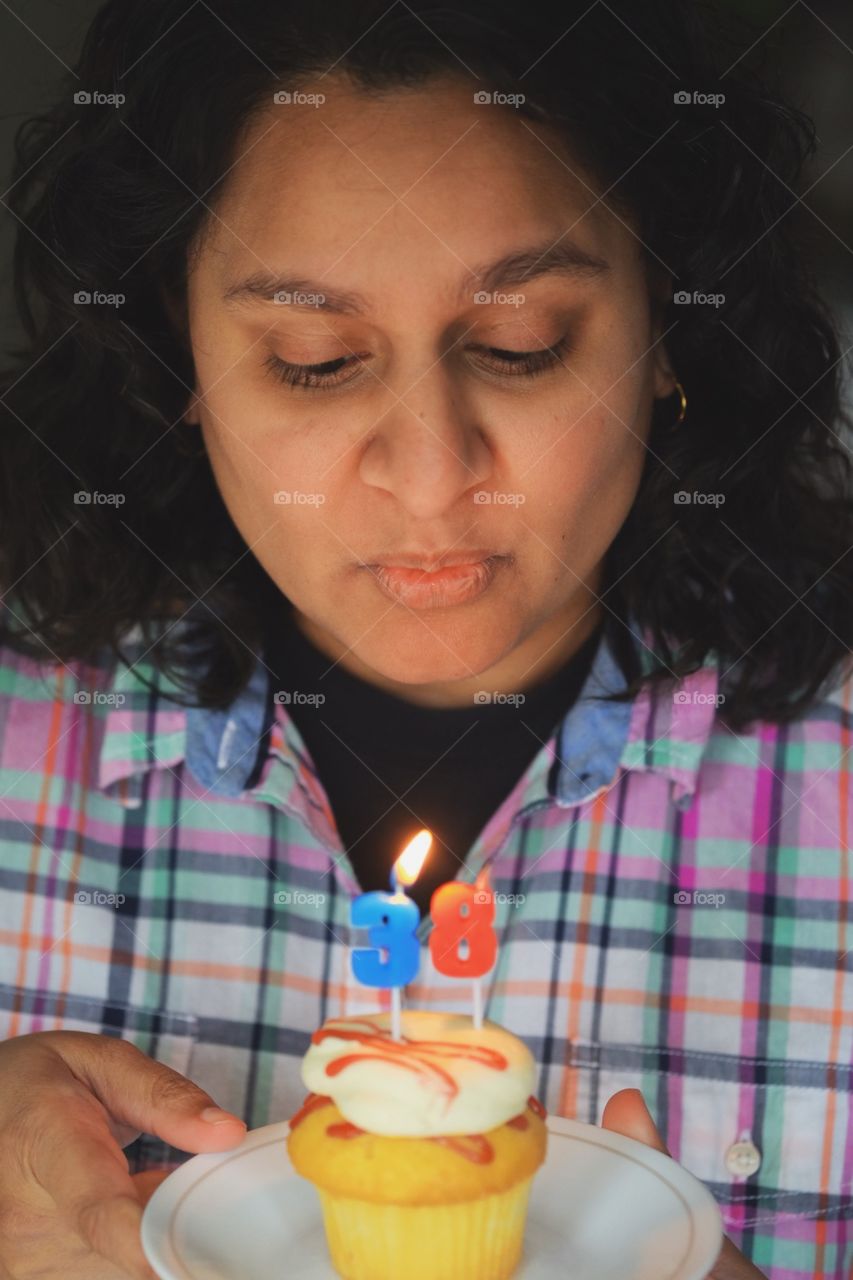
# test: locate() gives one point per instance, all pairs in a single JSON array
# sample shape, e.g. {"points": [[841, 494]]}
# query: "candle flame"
{"points": [[408, 866]]}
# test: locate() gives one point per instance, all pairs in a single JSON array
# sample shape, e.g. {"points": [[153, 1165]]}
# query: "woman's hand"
{"points": [[69, 1102], [626, 1113]]}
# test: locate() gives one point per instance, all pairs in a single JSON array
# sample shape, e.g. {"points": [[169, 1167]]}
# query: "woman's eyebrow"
{"points": [[566, 258]]}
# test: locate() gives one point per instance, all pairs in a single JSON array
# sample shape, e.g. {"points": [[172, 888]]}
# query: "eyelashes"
{"points": [[511, 364]]}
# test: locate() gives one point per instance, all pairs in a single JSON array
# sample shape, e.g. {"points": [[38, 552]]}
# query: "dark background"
{"points": [[807, 46]]}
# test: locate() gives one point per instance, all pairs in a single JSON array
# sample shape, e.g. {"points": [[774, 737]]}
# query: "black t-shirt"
{"points": [[390, 767]]}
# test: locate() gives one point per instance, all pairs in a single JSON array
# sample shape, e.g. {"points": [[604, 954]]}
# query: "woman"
{"points": [[426, 419]]}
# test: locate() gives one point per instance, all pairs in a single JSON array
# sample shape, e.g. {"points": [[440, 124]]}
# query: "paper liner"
{"points": [[471, 1240]]}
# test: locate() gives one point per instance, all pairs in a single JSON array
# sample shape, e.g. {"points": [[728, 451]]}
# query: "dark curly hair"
{"points": [[111, 198]]}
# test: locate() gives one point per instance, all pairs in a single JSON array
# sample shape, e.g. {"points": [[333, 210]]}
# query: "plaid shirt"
{"points": [[673, 913]]}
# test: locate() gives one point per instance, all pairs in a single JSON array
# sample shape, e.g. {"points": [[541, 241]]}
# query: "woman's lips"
{"points": [[420, 589]]}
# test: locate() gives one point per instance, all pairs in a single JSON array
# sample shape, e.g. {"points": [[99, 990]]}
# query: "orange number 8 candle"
{"points": [[463, 913]]}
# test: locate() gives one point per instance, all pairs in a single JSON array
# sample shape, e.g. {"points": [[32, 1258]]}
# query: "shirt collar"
{"points": [[664, 731], [254, 746]]}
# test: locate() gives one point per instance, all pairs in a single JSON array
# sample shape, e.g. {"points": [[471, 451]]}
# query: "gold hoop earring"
{"points": [[682, 413]]}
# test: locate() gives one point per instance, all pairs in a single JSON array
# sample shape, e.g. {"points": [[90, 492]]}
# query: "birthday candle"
{"points": [[391, 919], [463, 943]]}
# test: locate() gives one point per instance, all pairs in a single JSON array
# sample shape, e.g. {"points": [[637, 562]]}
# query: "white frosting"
{"points": [[382, 1094]]}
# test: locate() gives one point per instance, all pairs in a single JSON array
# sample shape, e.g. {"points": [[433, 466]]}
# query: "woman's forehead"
{"points": [[434, 151]]}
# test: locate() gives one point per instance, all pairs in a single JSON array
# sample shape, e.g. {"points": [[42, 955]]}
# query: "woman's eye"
{"points": [[307, 375], [528, 363], [512, 363]]}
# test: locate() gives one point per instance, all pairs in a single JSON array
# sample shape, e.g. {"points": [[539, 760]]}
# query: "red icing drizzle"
{"points": [[472, 1146], [345, 1130], [536, 1107], [312, 1102], [412, 1055]]}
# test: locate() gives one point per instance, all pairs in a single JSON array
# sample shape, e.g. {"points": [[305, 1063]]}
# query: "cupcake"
{"points": [[422, 1150]]}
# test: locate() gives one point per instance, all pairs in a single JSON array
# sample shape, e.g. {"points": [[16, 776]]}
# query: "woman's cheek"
{"points": [[592, 461]]}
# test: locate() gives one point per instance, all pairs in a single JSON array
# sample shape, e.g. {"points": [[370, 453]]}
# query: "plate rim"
{"points": [[702, 1209]]}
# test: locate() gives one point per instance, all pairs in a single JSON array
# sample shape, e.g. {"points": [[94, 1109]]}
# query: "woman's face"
{"points": [[377, 221]]}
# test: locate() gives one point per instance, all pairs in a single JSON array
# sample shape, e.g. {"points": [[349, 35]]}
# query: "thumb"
{"points": [[145, 1096], [626, 1113]]}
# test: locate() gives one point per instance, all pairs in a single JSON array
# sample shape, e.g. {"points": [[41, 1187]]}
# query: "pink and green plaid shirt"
{"points": [[673, 912]]}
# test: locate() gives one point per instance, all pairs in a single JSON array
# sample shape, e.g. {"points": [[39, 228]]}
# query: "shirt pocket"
{"points": [[771, 1138], [165, 1036]]}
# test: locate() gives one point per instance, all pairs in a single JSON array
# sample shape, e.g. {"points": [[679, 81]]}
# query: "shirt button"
{"points": [[743, 1158]]}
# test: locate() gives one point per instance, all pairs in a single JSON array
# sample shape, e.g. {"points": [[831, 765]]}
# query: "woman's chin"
{"points": [[416, 656]]}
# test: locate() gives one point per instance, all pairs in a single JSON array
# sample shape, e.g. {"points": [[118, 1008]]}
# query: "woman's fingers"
{"points": [[627, 1113], [85, 1174]]}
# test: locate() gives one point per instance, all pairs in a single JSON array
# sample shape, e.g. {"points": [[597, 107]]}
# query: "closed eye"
{"points": [[499, 360]]}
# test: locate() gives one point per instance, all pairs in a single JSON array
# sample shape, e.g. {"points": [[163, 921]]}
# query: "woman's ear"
{"points": [[175, 306], [660, 295], [176, 311], [664, 377]]}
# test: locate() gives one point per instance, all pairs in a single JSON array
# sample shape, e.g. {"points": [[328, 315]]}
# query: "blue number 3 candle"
{"points": [[393, 958]]}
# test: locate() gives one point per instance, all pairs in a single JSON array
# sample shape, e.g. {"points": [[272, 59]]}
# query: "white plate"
{"points": [[603, 1207]]}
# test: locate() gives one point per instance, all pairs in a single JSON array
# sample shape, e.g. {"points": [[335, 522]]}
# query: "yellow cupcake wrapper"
{"points": [[470, 1240]]}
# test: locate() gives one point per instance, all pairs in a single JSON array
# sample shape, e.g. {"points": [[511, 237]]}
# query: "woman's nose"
{"points": [[427, 453]]}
